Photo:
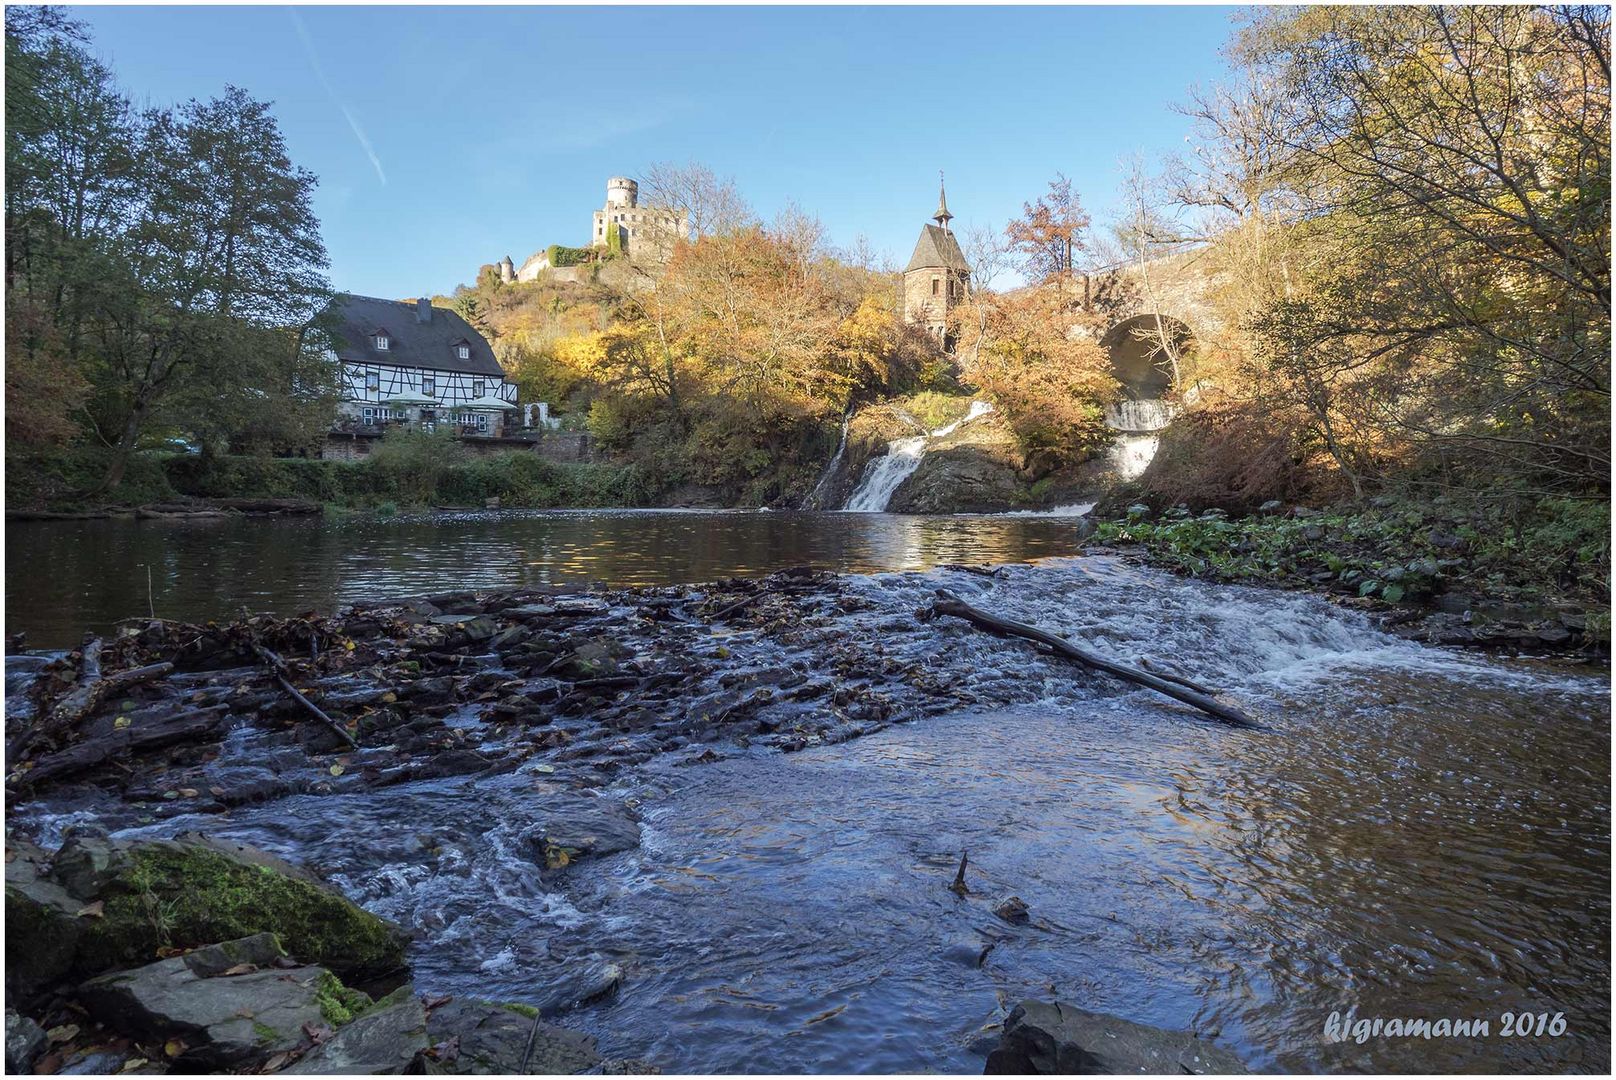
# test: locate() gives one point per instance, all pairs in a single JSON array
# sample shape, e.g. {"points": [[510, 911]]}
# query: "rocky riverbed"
{"points": [[549, 708]]}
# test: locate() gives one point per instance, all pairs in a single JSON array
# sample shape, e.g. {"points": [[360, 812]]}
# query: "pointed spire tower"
{"points": [[937, 278]]}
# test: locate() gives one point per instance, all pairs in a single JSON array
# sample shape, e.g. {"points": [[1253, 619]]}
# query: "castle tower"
{"points": [[622, 193], [507, 270], [937, 278]]}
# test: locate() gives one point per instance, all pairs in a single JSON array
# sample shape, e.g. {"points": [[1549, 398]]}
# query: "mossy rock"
{"points": [[188, 893]]}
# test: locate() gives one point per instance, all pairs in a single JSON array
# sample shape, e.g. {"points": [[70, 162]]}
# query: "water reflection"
{"points": [[64, 577]]}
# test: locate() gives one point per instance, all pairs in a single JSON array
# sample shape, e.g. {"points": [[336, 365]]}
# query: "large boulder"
{"points": [[1054, 1038], [220, 1019], [973, 469], [43, 923], [102, 904]]}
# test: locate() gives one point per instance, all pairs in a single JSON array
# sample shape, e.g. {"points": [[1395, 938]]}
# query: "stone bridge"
{"points": [[1139, 305]]}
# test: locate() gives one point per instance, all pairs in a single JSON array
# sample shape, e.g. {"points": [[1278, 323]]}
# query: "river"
{"points": [[66, 577], [1414, 832]]}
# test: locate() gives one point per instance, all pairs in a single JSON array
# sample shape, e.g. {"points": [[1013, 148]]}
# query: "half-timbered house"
{"points": [[412, 363]]}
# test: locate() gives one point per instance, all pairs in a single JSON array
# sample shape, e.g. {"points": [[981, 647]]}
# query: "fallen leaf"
{"points": [[121, 722], [216, 791], [189, 793], [175, 1047], [96, 910], [544, 768], [62, 1034], [132, 1064], [336, 770], [240, 969], [275, 1063]]}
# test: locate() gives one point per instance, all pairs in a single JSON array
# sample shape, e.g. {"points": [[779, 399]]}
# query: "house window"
{"points": [[934, 284], [429, 385], [381, 342], [463, 351], [476, 388], [373, 380], [369, 415], [481, 420]]}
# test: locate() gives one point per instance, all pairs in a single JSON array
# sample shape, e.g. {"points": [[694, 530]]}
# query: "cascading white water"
{"points": [[883, 475], [1136, 423], [830, 469], [1138, 416], [1131, 455]]}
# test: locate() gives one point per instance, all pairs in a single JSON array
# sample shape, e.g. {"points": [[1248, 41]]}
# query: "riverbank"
{"points": [[1534, 578], [421, 475], [550, 782]]}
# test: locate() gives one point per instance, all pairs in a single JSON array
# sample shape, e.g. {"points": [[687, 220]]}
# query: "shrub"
{"points": [[560, 255], [412, 462]]}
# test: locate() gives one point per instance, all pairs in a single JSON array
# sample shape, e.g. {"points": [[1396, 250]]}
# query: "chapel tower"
{"points": [[937, 278]]}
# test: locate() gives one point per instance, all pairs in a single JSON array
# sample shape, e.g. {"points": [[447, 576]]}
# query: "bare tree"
{"points": [[1146, 235], [712, 203]]}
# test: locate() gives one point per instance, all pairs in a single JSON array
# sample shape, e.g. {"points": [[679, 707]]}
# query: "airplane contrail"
{"points": [[319, 73]]}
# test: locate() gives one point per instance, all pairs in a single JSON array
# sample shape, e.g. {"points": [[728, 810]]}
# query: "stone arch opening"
{"points": [[1140, 360]]}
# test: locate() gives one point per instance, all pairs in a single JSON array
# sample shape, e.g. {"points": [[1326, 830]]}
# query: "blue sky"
{"points": [[445, 138]]}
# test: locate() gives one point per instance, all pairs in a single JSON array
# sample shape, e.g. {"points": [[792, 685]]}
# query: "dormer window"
{"points": [[463, 352], [381, 342]]}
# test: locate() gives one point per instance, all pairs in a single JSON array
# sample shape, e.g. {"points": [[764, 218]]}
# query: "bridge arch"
{"points": [[1140, 360]]}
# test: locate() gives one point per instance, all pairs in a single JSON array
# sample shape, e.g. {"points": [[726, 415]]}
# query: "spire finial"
{"points": [[942, 215]]}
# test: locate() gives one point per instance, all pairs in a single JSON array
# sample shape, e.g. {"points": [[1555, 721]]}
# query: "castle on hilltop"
{"points": [[644, 234]]}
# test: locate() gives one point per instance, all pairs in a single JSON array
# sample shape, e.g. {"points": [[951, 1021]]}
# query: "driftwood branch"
{"points": [[1161, 672], [949, 604], [278, 667]]}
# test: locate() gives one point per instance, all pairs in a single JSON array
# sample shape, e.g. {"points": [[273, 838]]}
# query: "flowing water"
{"points": [[883, 474], [813, 500], [1131, 455], [1413, 833]]}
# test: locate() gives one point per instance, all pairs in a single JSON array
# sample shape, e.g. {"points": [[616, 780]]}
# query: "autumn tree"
{"points": [[1050, 233], [1450, 169]]}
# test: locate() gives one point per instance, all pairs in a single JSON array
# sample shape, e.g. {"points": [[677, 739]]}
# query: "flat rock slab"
{"points": [[385, 1041], [579, 826], [480, 1037], [224, 1020], [1048, 1037]]}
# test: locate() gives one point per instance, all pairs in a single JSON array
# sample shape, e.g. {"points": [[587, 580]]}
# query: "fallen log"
{"points": [[949, 604], [122, 742], [278, 668], [84, 699]]}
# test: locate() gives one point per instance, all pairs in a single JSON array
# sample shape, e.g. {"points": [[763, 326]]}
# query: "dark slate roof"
{"points": [[411, 343], [937, 248]]}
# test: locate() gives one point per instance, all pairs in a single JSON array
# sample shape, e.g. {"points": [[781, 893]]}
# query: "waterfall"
{"points": [[883, 474], [1130, 455], [830, 469], [1136, 424], [1139, 416]]}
